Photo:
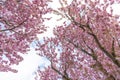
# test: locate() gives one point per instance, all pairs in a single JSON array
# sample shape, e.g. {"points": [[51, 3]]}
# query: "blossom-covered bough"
{"points": [[20, 22], [86, 49]]}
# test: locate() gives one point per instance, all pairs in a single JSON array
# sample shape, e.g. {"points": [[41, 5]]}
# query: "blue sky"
{"points": [[31, 61]]}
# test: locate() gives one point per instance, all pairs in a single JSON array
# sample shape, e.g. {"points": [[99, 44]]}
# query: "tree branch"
{"points": [[113, 49], [63, 76], [77, 46], [10, 24], [104, 50], [94, 56], [115, 61]]}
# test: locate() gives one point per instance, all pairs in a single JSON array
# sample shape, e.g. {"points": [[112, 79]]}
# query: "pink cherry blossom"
{"points": [[88, 48]]}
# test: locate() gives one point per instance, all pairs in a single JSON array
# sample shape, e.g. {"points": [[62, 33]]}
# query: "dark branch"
{"points": [[10, 24], [115, 61], [104, 50], [63, 76], [94, 56], [77, 46], [113, 49]]}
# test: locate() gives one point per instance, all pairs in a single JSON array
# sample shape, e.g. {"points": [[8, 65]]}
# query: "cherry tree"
{"points": [[86, 49], [20, 22]]}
